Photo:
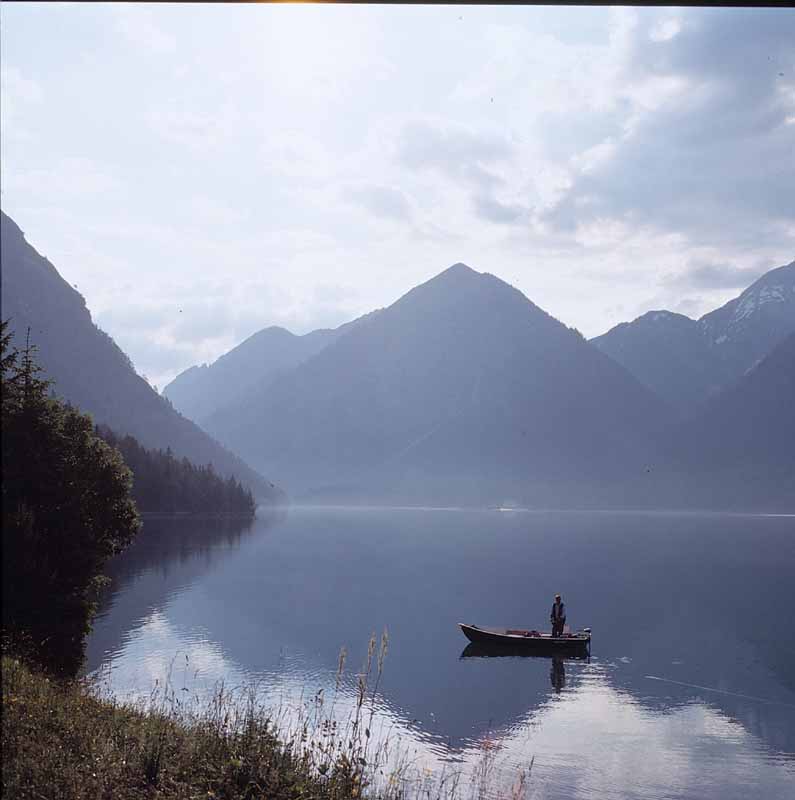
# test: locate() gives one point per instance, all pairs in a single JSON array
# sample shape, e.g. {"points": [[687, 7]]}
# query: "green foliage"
{"points": [[66, 510], [162, 482]]}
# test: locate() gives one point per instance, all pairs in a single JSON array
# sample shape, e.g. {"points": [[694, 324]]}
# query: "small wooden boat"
{"points": [[528, 641]]}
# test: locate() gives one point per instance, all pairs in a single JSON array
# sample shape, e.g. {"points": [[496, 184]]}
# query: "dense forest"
{"points": [[66, 510], [162, 482]]}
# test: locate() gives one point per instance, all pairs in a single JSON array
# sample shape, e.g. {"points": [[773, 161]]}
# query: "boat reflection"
{"points": [[557, 674], [473, 650], [557, 669]]}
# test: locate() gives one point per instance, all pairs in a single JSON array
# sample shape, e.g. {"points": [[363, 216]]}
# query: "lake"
{"points": [[689, 691]]}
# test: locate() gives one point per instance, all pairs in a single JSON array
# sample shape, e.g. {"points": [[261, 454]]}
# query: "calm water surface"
{"points": [[689, 691]]}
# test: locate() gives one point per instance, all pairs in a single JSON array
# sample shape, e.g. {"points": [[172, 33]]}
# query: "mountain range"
{"points": [[740, 448], [463, 388], [461, 391], [90, 371], [201, 390], [687, 361], [462, 385]]}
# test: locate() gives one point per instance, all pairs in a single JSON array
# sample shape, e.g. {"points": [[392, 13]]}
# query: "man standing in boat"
{"points": [[558, 617]]}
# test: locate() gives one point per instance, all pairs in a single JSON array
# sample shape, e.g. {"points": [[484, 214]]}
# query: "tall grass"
{"points": [[76, 740]]}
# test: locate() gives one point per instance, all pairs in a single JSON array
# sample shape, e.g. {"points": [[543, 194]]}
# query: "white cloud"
{"points": [[260, 153], [665, 29], [19, 92]]}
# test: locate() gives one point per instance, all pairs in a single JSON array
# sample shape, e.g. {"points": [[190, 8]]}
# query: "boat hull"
{"points": [[526, 641]]}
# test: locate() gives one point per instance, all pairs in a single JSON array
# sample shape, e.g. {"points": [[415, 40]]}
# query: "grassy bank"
{"points": [[60, 741], [72, 739]]}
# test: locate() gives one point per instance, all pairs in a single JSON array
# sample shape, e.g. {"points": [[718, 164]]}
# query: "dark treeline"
{"points": [[162, 482], [69, 497], [66, 509]]}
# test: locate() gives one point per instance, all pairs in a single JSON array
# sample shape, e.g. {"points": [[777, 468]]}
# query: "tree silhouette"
{"points": [[66, 509]]}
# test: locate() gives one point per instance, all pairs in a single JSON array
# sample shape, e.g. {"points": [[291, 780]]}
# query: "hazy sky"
{"points": [[201, 172]]}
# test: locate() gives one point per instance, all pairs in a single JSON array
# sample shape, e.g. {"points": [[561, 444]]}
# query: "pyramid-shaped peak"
{"points": [[457, 276], [450, 281], [459, 269]]}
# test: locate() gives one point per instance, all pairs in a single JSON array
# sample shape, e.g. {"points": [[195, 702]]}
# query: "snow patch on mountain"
{"points": [[754, 300]]}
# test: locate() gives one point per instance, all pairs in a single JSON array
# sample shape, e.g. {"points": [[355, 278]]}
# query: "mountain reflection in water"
{"points": [[686, 693]]}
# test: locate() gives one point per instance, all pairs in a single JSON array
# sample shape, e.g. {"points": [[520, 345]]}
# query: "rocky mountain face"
{"points": [[460, 385], [746, 329], [89, 369], [687, 362]]}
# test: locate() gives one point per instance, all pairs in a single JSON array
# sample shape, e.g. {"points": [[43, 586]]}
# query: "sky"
{"points": [[200, 172]]}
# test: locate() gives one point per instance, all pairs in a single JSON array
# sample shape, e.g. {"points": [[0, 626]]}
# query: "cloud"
{"points": [[714, 276], [476, 160], [200, 131], [692, 307], [706, 148], [382, 201], [456, 150], [256, 158], [196, 321], [19, 93], [293, 154], [492, 210]]}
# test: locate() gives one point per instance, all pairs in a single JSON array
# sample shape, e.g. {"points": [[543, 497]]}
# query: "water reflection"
{"points": [[475, 650], [170, 554], [274, 604], [557, 670], [557, 674]]}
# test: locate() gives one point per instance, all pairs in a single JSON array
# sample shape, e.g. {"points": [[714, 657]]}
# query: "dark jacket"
{"points": [[560, 616]]}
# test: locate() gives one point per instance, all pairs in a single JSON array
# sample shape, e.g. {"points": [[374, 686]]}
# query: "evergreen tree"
{"points": [[66, 510], [163, 483]]}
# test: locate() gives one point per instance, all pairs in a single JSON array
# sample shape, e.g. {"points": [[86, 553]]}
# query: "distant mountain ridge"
{"points": [[199, 391], [461, 391], [91, 371], [753, 421], [688, 361], [739, 450], [746, 329], [461, 378]]}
